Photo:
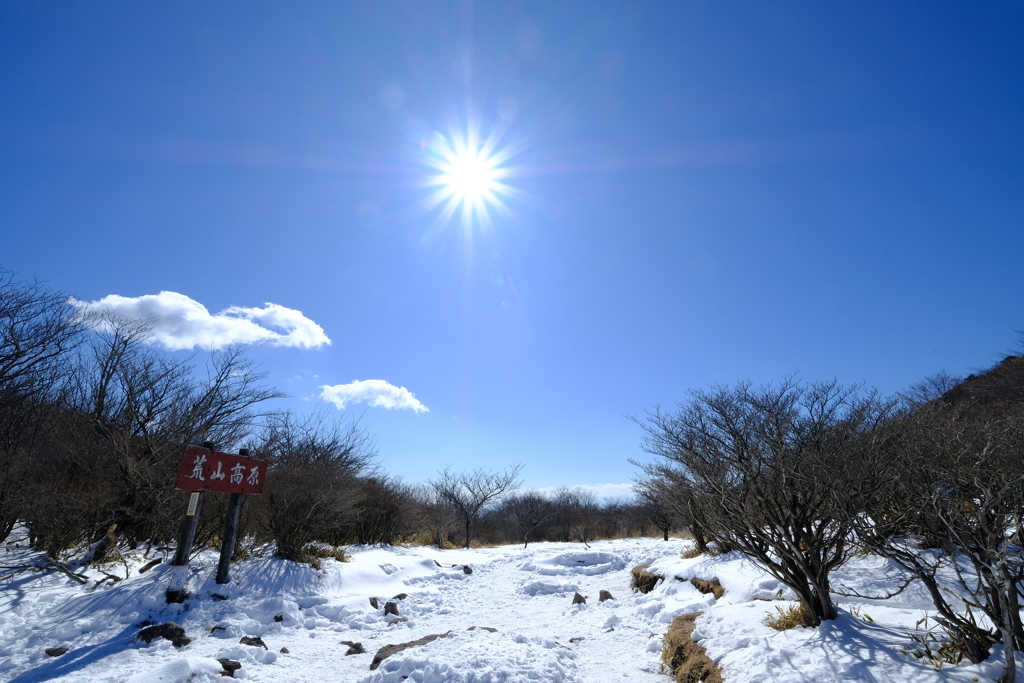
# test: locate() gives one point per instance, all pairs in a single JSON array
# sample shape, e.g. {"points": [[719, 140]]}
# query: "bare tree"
{"points": [[929, 389], [469, 492], [577, 512], [528, 511], [436, 515], [655, 500], [773, 470]]}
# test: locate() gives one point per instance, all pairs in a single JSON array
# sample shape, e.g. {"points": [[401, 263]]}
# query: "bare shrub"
{"points": [[39, 332], [312, 481], [773, 472], [961, 491], [386, 510]]}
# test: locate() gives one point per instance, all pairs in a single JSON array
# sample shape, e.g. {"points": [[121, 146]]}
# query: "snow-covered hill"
{"points": [[526, 596]]}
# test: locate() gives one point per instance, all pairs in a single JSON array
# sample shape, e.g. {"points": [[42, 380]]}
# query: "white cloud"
{"points": [[179, 322], [376, 391]]}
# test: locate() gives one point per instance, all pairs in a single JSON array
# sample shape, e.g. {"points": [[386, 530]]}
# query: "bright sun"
{"points": [[469, 178]]}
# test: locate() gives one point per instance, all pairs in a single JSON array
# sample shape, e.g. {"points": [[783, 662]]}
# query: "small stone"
{"points": [[605, 595], [374, 603], [285, 651], [578, 599], [391, 608], [218, 596], [354, 648], [400, 596], [56, 651], [230, 666], [254, 642], [483, 628], [575, 640], [279, 618], [399, 620], [466, 569]]}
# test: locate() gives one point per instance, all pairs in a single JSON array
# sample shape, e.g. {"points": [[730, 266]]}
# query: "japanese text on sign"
{"points": [[202, 468]]}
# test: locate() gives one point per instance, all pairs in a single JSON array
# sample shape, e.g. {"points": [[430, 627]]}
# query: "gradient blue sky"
{"points": [[703, 192]]}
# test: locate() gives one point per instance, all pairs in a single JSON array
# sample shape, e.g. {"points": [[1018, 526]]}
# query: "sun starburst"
{"points": [[469, 178]]}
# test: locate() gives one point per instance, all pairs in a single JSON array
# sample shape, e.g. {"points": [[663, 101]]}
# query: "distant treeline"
{"points": [[93, 421]]}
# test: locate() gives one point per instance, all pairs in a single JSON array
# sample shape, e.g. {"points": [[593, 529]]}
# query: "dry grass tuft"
{"points": [[643, 580], [691, 553], [313, 553], [712, 586], [684, 659], [791, 617]]}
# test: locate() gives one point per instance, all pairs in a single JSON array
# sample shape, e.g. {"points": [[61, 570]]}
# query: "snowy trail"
{"points": [[525, 594]]}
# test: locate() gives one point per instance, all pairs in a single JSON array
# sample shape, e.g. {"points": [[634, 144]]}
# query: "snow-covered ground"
{"points": [[526, 595]]}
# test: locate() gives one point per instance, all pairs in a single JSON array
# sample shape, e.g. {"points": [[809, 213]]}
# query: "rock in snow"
{"points": [[168, 630], [389, 650], [253, 642]]}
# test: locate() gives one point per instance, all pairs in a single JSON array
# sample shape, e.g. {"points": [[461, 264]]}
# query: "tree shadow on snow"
{"points": [[859, 650], [79, 658]]}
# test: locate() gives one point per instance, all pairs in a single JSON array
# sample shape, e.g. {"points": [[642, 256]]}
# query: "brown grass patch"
{"points": [[691, 553], [314, 552], [712, 586], [643, 580], [684, 659], [791, 617]]}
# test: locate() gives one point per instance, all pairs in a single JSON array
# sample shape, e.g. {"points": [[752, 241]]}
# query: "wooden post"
{"points": [[227, 546], [177, 591]]}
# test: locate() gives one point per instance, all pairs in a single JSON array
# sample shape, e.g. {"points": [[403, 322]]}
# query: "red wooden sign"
{"points": [[202, 468]]}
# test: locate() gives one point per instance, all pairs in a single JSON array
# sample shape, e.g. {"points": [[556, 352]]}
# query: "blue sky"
{"points": [[697, 193]]}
